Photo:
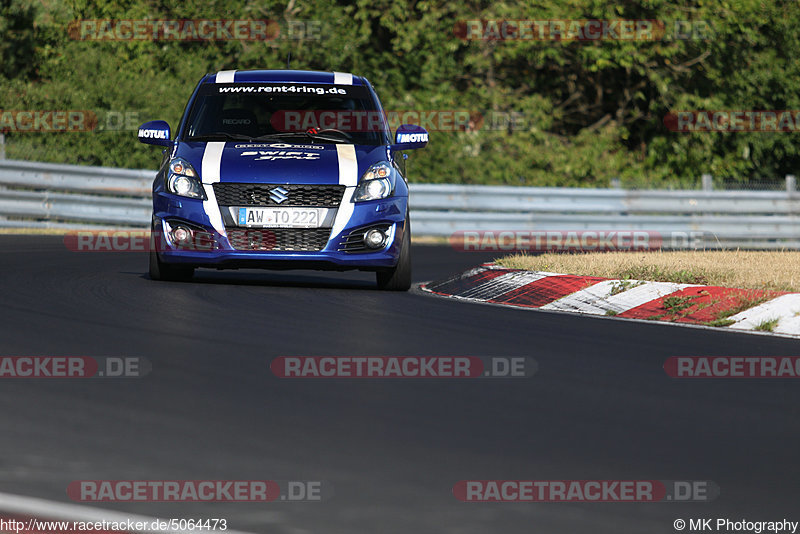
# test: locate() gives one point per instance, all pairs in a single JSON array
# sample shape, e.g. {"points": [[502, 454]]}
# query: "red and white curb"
{"points": [[631, 299]]}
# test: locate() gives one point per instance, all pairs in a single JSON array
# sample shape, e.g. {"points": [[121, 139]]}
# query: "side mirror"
{"points": [[155, 133], [409, 137]]}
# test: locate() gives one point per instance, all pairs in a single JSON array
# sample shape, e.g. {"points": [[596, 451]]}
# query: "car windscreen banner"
{"points": [[287, 89]]}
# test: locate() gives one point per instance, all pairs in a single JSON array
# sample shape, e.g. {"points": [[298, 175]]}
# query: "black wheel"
{"points": [[163, 271], [399, 277]]}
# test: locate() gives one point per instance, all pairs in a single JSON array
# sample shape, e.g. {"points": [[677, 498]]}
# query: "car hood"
{"points": [[280, 163]]}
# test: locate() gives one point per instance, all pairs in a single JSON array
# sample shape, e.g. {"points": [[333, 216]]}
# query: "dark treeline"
{"points": [[576, 113]]}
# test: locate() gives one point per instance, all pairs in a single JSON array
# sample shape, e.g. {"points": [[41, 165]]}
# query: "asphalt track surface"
{"points": [[600, 406]]}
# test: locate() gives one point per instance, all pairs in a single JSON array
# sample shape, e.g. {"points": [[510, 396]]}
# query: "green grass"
{"points": [[767, 325], [623, 285], [657, 274], [720, 322], [743, 302], [681, 306], [678, 304]]}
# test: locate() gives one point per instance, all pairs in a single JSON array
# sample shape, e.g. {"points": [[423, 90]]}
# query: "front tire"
{"points": [[163, 271], [399, 277]]}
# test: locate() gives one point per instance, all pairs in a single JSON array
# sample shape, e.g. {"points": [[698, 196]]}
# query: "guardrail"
{"points": [[49, 195], [72, 196]]}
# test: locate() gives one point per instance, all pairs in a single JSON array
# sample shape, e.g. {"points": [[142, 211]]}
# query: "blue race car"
{"points": [[282, 169]]}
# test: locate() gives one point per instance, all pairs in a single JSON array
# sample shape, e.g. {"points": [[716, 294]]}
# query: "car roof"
{"points": [[283, 76]]}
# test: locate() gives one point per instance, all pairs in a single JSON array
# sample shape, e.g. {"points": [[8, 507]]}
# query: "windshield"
{"points": [[332, 113]]}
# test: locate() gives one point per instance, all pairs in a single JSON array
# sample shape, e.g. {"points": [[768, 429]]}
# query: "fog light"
{"points": [[181, 235], [375, 238]]}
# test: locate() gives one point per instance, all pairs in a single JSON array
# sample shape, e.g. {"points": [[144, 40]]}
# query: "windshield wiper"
{"points": [[304, 135], [215, 136], [220, 135]]}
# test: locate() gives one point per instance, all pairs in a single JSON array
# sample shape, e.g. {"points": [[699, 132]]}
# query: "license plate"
{"points": [[280, 217]]}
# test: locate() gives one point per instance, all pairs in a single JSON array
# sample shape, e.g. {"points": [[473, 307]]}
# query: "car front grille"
{"points": [[310, 195], [279, 239]]}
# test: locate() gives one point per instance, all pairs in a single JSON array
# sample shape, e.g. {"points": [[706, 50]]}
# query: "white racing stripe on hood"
{"points": [[348, 177], [209, 171], [212, 157], [348, 165], [225, 76], [342, 78]]}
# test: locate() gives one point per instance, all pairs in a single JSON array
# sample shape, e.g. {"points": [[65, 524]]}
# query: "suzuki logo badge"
{"points": [[278, 195]]}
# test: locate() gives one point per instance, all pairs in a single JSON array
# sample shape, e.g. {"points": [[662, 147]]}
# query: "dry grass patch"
{"points": [[769, 270], [429, 240]]}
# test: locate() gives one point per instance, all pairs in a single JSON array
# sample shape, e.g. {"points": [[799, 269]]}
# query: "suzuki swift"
{"points": [[282, 170]]}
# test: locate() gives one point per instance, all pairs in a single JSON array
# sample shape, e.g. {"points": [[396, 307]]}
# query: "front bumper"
{"points": [[170, 209]]}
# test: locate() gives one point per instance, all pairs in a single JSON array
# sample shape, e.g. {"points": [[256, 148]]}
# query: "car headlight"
{"points": [[182, 180], [377, 182]]}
